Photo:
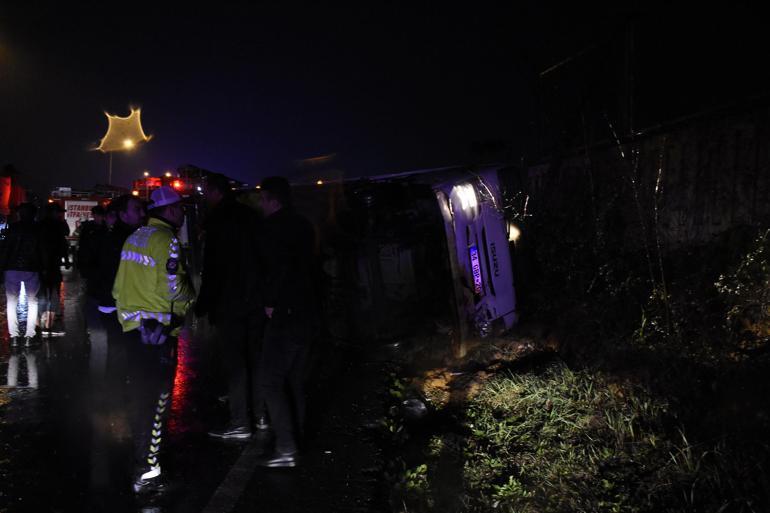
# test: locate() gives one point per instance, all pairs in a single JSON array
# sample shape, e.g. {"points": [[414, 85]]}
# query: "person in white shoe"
{"points": [[230, 296], [290, 308], [54, 231], [22, 255], [152, 292]]}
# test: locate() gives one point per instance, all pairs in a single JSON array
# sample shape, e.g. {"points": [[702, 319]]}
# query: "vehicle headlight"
{"points": [[465, 195]]}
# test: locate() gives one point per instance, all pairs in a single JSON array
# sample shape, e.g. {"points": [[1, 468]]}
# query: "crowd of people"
{"points": [[256, 290]]}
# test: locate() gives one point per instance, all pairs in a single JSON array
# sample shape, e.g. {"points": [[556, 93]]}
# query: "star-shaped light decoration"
{"points": [[123, 133]]}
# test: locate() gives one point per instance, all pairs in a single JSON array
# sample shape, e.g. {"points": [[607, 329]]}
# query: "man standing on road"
{"points": [[54, 231], [103, 262], [152, 293], [108, 355], [231, 297], [89, 237], [288, 245], [22, 254]]}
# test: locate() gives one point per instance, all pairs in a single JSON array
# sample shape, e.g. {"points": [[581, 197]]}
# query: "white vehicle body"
{"points": [[471, 205], [478, 239]]}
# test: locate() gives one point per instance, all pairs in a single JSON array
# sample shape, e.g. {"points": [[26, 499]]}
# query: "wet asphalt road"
{"points": [[65, 441]]}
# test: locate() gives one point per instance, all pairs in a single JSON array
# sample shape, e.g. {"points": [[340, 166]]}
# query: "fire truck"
{"points": [[187, 180], [143, 187]]}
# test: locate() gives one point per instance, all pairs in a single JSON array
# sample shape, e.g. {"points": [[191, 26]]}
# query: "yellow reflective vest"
{"points": [[152, 282]]}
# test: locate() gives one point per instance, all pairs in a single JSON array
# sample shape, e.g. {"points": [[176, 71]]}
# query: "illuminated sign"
{"points": [[77, 213]]}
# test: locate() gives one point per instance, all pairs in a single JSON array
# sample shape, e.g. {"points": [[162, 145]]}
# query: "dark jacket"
{"points": [[22, 248], [231, 287], [91, 236], [106, 261], [288, 244], [54, 234]]}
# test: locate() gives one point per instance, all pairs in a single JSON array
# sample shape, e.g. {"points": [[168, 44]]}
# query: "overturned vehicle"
{"points": [[407, 252]]}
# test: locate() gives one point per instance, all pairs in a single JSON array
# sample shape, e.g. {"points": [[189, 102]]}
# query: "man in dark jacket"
{"points": [[54, 230], [89, 237], [130, 216], [110, 390], [288, 244], [231, 298], [101, 319], [21, 257]]}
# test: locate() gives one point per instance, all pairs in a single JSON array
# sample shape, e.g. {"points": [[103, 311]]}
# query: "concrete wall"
{"points": [[705, 174]]}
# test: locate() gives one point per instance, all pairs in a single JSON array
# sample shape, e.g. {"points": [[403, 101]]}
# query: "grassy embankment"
{"points": [[665, 412]]}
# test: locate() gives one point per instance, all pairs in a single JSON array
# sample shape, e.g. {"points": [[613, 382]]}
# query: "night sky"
{"points": [[250, 89]]}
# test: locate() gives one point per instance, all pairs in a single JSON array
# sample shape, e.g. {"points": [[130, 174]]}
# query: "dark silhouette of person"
{"points": [[231, 298], [102, 323], [89, 234], [54, 231], [288, 254]]}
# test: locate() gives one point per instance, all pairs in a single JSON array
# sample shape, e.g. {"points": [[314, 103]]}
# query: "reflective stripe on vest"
{"points": [[133, 256], [141, 314]]}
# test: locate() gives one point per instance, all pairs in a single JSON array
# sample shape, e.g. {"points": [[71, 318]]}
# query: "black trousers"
{"points": [[108, 397], [282, 371], [149, 382], [108, 357], [240, 343], [117, 351], [49, 300], [104, 334]]}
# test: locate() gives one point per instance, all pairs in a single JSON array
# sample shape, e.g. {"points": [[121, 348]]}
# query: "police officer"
{"points": [[152, 292]]}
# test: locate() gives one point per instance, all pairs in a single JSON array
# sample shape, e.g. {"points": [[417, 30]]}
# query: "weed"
{"points": [[562, 440]]}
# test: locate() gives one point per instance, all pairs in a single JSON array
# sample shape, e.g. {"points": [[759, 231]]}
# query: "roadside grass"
{"points": [[663, 406], [559, 440], [565, 440]]}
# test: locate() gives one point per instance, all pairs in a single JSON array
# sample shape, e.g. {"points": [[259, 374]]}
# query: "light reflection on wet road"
{"points": [[65, 443]]}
